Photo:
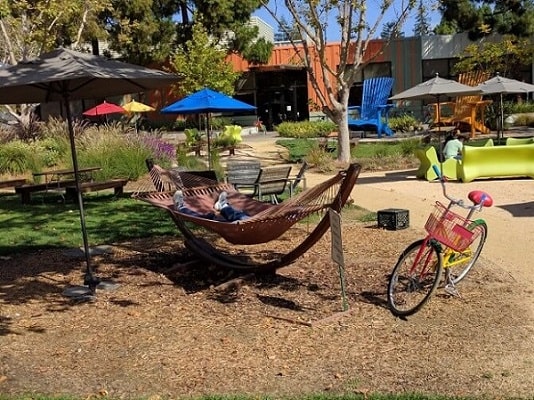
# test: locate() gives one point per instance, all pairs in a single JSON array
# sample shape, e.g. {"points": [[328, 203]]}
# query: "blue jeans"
{"points": [[229, 213]]}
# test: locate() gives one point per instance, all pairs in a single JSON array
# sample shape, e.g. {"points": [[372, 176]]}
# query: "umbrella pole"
{"points": [[501, 106], [209, 143], [89, 279], [438, 113]]}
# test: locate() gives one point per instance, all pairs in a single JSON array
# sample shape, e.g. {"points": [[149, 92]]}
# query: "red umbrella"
{"points": [[104, 108]]}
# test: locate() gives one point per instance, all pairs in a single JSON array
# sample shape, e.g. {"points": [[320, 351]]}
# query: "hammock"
{"points": [[267, 221]]}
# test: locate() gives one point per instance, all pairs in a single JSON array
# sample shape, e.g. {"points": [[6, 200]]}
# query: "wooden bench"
{"points": [[12, 183], [116, 184], [26, 190]]}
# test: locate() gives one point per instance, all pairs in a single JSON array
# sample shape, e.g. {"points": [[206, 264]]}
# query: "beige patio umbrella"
{"points": [[435, 89], [501, 85]]}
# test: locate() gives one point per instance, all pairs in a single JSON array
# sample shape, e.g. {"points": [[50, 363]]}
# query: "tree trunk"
{"points": [[344, 143], [340, 119]]}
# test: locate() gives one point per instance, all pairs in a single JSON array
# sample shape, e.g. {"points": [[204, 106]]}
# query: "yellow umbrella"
{"points": [[137, 107]]}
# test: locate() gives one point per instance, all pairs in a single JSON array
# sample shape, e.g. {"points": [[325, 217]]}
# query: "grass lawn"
{"points": [[49, 223]]}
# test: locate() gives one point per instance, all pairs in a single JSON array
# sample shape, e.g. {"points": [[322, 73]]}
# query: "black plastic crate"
{"points": [[393, 219]]}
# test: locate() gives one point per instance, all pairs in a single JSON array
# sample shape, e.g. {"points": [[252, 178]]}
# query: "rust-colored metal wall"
{"points": [[404, 55]]}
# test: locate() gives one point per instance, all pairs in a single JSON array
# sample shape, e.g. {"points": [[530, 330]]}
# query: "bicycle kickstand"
{"points": [[450, 287]]}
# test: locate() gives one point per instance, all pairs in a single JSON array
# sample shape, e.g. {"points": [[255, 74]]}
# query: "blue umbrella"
{"points": [[206, 101]]}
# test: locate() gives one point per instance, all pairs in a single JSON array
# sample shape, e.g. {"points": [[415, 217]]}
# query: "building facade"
{"points": [[282, 91]]}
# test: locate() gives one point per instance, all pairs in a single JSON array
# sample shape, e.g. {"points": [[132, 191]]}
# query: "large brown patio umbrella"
{"points": [[65, 75], [501, 85], [435, 89]]}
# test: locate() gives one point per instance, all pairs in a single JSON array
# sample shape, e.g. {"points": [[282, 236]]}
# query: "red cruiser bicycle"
{"points": [[453, 245]]}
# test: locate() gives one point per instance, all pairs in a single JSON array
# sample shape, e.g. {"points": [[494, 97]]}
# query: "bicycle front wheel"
{"points": [[460, 266], [414, 278]]}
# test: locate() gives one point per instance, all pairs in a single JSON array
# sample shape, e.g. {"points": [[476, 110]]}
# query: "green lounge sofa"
{"points": [[496, 161], [511, 141]]}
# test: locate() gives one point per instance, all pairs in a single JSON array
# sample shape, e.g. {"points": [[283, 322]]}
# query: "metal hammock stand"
{"points": [[267, 222]]}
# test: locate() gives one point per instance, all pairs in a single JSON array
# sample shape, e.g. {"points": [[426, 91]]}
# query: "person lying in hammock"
{"points": [[229, 213]]}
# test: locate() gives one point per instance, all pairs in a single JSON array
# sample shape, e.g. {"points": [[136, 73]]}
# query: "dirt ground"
{"points": [[173, 331]]}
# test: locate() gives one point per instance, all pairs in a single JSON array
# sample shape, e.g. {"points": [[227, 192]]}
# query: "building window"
{"points": [[443, 67], [376, 70]]}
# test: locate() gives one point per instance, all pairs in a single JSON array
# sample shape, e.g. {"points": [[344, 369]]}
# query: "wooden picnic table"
{"points": [[60, 174], [54, 180], [12, 183]]}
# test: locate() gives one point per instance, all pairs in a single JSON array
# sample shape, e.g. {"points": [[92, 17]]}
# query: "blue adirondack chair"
{"points": [[375, 108]]}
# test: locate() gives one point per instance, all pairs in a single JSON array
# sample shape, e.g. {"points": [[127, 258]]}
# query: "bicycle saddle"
{"points": [[479, 196]]}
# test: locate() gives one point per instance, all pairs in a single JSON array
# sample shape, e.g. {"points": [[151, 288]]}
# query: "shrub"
{"points": [[193, 137], [122, 155], [161, 152], [189, 162], [305, 129], [17, 157], [405, 123], [57, 128], [231, 136], [320, 159], [407, 147], [493, 113], [53, 150]]}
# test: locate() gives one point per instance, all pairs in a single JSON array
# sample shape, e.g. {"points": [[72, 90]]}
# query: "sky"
{"points": [[333, 32]]}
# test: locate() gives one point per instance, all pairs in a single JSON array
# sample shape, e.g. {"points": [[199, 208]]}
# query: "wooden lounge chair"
{"points": [[272, 182], [243, 174], [267, 222], [465, 110], [375, 108]]}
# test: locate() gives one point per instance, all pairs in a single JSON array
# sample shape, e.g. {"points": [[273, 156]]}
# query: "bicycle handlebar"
{"points": [[458, 202]]}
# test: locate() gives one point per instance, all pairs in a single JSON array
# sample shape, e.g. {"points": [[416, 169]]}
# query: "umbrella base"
{"points": [[84, 292]]}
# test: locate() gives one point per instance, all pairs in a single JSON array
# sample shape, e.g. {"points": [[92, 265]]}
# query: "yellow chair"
{"points": [[467, 110], [429, 157]]}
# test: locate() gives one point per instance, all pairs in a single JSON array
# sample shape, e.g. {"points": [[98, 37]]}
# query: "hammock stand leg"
{"points": [[210, 254]]}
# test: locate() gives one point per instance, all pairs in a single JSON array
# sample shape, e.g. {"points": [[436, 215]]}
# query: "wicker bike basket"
{"points": [[451, 229]]}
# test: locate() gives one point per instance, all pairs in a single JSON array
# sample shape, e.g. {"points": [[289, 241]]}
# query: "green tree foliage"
{"points": [[479, 19], [141, 31], [286, 31], [513, 19], [31, 27], [422, 25], [244, 41], [505, 56], [221, 17], [146, 31], [202, 64], [391, 30]]}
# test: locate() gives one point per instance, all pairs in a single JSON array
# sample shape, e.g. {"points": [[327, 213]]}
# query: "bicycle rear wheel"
{"points": [[458, 268], [414, 278]]}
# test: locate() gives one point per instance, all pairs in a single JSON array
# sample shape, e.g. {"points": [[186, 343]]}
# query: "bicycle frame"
{"points": [[425, 269]]}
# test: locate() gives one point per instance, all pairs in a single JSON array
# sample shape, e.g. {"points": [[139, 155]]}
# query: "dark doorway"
{"points": [[281, 93]]}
